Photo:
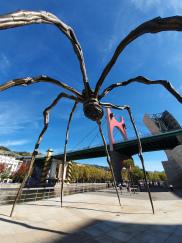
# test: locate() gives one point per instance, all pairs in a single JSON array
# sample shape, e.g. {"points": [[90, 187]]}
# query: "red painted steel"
{"points": [[112, 122]]}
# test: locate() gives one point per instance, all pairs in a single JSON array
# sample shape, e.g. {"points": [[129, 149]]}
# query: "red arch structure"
{"points": [[112, 122]]}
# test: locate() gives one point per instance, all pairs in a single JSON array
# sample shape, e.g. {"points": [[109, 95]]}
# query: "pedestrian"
{"points": [[171, 188]]}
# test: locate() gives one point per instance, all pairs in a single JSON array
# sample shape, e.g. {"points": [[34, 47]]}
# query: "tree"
{"points": [[20, 173], [2, 167], [89, 173], [137, 174], [162, 176], [128, 163], [4, 171], [157, 176]]}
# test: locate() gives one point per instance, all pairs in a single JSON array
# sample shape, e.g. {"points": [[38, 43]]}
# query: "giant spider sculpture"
{"points": [[90, 98]]}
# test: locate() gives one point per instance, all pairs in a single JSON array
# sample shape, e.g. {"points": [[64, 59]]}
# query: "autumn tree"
{"points": [[87, 173], [20, 173], [2, 167], [4, 171]]}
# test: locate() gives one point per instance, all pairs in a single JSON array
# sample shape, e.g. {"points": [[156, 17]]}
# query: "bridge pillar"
{"points": [[117, 162], [46, 168], [60, 170], [52, 172]]}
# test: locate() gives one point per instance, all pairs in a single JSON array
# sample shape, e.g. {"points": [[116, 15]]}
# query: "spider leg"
{"points": [[140, 79], [31, 80], [35, 151], [126, 107], [108, 160], [153, 26], [24, 17], [65, 148]]}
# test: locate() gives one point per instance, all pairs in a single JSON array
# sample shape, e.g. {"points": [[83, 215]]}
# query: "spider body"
{"points": [[92, 109], [91, 99], [91, 106]]}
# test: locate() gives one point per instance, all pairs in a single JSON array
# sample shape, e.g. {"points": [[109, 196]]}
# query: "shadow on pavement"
{"points": [[107, 231], [178, 192], [175, 191], [104, 211], [12, 221]]}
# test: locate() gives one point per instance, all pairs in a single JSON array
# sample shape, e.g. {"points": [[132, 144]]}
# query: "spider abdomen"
{"points": [[92, 109]]}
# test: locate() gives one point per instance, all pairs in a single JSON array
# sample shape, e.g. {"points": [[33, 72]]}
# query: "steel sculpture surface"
{"points": [[90, 98]]}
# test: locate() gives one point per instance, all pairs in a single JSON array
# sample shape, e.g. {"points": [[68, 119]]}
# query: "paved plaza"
{"points": [[95, 217]]}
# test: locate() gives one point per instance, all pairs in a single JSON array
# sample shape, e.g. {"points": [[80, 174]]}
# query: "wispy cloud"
{"points": [[159, 5], [120, 16], [180, 88], [175, 60], [14, 143], [4, 63], [110, 44], [78, 114], [12, 119]]}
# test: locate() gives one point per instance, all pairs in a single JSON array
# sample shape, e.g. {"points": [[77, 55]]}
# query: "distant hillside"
{"points": [[94, 165], [23, 153], [100, 166], [5, 150]]}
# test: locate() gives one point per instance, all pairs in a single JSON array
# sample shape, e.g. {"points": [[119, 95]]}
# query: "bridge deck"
{"points": [[158, 142]]}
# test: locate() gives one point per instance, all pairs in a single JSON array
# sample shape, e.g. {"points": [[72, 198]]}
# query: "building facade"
{"points": [[10, 161], [164, 122]]}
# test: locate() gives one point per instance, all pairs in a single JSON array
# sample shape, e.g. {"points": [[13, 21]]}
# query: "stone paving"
{"points": [[93, 217]]}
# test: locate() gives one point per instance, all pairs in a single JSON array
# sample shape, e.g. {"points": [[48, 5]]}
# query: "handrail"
{"points": [[42, 193]]}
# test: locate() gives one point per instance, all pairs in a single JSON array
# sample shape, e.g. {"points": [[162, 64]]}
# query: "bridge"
{"points": [[167, 140], [162, 141]]}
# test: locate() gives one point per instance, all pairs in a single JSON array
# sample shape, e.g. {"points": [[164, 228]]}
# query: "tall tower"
{"points": [[164, 122]]}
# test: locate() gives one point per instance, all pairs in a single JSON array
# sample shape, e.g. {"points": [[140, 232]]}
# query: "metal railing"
{"points": [[7, 195]]}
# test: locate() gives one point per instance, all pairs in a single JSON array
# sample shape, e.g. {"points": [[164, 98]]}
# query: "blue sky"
{"points": [[99, 26]]}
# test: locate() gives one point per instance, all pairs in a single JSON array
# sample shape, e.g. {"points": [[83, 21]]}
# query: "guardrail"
{"points": [[7, 195]]}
